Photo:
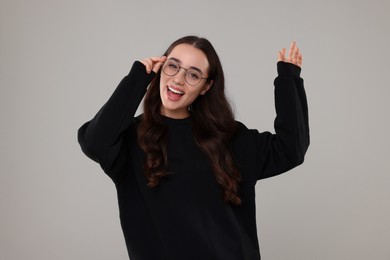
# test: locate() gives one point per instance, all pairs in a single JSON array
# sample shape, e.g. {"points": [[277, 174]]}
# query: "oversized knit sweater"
{"points": [[185, 217]]}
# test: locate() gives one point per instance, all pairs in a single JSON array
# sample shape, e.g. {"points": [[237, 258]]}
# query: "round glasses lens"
{"points": [[171, 67], [193, 77]]}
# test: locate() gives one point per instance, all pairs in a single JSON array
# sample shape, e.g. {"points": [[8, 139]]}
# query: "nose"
{"points": [[179, 78]]}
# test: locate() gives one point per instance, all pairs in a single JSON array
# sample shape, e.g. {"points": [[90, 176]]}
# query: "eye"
{"points": [[194, 75], [172, 65]]}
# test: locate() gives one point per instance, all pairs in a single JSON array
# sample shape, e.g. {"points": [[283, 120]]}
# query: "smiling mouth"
{"points": [[176, 91], [174, 94]]}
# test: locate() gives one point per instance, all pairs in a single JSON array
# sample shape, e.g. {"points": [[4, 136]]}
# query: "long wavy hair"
{"points": [[213, 126]]}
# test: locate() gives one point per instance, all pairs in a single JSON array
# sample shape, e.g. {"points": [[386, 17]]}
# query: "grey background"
{"points": [[61, 60]]}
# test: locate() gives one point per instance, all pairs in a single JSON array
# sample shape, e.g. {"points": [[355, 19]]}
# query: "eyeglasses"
{"points": [[193, 76]]}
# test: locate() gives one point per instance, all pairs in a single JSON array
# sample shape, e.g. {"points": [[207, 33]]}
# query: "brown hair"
{"points": [[213, 126]]}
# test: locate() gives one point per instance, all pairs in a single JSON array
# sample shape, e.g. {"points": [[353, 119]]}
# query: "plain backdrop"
{"points": [[61, 60]]}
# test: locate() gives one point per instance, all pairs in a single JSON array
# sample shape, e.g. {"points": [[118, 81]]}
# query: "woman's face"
{"points": [[176, 94]]}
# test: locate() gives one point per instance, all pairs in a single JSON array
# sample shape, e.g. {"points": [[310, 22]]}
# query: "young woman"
{"points": [[185, 170]]}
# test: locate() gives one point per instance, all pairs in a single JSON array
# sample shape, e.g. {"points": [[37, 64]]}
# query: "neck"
{"points": [[183, 113]]}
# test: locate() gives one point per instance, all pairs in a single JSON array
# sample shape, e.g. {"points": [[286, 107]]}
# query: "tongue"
{"points": [[173, 96]]}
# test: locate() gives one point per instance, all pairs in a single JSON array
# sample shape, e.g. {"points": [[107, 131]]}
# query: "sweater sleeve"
{"points": [[280, 152], [101, 138]]}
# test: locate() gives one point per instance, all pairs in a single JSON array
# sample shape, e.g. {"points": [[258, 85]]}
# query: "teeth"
{"points": [[176, 91]]}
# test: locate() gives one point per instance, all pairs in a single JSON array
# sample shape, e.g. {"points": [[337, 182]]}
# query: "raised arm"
{"points": [[286, 149], [101, 138]]}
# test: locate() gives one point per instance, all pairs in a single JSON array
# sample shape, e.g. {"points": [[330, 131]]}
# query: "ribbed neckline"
{"points": [[174, 121]]}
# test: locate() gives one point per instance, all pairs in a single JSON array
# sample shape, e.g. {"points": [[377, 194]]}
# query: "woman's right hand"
{"points": [[153, 63]]}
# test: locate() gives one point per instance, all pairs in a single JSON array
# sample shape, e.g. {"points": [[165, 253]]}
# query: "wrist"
{"points": [[288, 69]]}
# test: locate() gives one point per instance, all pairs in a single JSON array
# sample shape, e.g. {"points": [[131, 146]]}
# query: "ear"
{"points": [[207, 87]]}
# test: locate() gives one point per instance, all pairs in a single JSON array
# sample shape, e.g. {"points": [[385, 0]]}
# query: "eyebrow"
{"points": [[191, 67]]}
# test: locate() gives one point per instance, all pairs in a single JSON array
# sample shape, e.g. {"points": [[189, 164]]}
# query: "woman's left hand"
{"points": [[294, 55]]}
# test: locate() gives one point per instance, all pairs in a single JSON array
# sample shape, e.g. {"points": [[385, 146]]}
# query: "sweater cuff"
{"points": [[139, 68], [288, 69]]}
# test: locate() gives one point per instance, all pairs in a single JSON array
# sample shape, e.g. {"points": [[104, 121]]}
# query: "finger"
{"points": [[159, 59], [157, 66], [151, 62], [291, 51], [295, 55], [282, 55], [148, 64], [144, 63], [300, 60]]}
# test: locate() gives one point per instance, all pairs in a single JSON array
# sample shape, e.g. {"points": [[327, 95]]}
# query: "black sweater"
{"points": [[185, 216]]}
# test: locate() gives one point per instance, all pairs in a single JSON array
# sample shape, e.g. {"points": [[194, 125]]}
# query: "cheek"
{"points": [[202, 90], [163, 79], [194, 95], [163, 83]]}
